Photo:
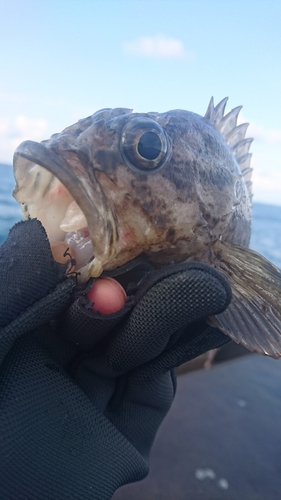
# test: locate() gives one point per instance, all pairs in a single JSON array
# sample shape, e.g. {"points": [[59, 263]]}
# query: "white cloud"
{"points": [[266, 182], [14, 131], [260, 133], [158, 46], [33, 129], [12, 97]]}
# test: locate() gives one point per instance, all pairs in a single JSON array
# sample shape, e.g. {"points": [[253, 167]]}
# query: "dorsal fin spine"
{"points": [[233, 134]]}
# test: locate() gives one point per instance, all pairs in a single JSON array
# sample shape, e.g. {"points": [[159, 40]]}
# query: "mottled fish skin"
{"points": [[175, 186], [173, 214]]}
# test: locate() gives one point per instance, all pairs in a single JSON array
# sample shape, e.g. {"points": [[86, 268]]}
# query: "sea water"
{"points": [[266, 225]]}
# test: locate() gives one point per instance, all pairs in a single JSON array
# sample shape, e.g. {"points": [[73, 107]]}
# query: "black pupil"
{"points": [[149, 146]]}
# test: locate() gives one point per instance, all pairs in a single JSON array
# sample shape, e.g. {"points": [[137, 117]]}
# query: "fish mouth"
{"points": [[67, 198]]}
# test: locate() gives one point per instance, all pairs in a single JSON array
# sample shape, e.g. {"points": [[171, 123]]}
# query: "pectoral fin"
{"points": [[253, 317]]}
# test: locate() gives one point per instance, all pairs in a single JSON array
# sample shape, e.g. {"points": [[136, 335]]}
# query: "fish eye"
{"points": [[144, 145], [149, 146]]}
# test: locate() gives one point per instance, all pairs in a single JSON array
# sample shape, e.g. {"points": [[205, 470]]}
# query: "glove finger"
{"points": [[186, 349], [30, 270], [86, 328], [170, 300]]}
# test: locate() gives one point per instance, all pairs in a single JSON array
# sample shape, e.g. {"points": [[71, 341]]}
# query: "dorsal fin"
{"points": [[233, 134]]}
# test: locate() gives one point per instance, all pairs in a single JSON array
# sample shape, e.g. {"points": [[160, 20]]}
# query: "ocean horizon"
{"points": [[266, 221]]}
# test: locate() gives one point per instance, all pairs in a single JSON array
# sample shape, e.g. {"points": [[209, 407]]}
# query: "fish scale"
{"points": [[175, 186]]}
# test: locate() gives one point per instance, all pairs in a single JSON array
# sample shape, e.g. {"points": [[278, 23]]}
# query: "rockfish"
{"points": [[174, 186]]}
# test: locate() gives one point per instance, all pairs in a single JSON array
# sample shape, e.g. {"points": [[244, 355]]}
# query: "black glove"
{"points": [[83, 394]]}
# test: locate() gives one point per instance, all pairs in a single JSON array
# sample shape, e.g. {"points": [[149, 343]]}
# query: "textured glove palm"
{"points": [[84, 394]]}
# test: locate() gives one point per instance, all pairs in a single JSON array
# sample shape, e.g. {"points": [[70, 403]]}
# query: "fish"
{"points": [[173, 186]]}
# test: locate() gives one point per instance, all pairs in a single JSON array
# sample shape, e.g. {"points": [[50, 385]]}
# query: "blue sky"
{"points": [[61, 60]]}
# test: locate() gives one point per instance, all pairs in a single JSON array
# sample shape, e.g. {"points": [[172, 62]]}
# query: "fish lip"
{"points": [[101, 229]]}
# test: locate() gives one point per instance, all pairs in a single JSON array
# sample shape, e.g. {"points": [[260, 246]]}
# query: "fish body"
{"points": [[174, 186]]}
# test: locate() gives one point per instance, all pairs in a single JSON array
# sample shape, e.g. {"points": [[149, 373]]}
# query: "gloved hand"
{"points": [[83, 394]]}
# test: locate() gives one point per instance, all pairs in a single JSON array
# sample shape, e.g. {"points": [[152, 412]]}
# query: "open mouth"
{"points": [[74, 239], [70, 205]]}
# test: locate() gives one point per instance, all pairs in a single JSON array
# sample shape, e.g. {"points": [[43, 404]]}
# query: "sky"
{"points": [[62, 60]]}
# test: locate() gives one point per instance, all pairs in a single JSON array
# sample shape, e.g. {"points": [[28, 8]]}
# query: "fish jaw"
{"points": [[182, 191], [46, 187]]}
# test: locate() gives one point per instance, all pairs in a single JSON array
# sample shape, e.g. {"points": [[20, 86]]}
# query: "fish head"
{"points": [[118, 184]]}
